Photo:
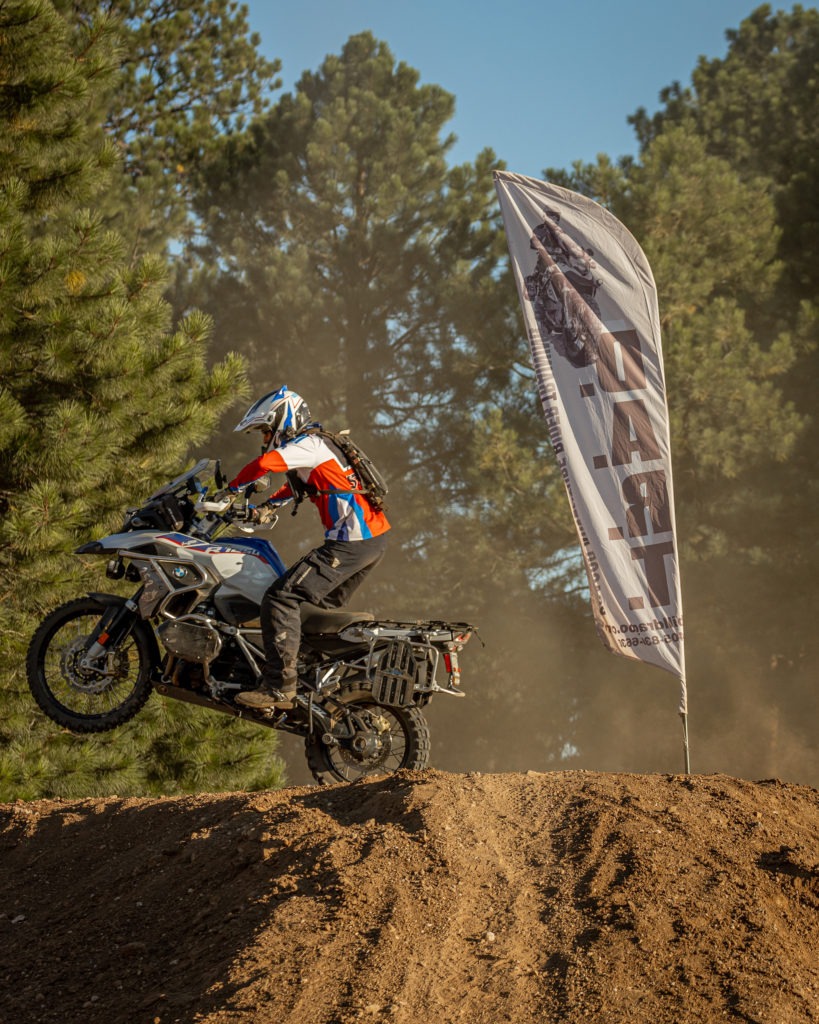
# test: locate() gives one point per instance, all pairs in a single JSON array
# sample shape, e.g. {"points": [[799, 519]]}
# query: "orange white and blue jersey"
{"points": [[345, 512]]}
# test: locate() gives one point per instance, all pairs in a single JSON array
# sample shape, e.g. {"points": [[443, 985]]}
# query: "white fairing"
{"points": [[243, 574], [243, 568]]}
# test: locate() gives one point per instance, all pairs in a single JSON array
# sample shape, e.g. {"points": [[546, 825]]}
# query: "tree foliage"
{"points": [[340, 229], [723, 199], [758, 109], [190, 74], [101, 395]]}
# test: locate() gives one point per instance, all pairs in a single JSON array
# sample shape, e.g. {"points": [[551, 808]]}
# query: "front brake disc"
{"points": [[90, 680]]}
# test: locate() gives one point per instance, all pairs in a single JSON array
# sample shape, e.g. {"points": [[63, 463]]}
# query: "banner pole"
{"points": [[686, 756], [684, 716]]}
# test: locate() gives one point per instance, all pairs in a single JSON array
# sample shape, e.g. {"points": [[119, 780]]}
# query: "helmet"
{"points": [[283, 411]]}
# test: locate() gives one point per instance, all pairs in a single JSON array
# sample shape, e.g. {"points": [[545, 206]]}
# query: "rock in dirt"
{"points": [[424, 897]]}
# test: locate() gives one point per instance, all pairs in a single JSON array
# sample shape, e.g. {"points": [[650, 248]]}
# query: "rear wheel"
{"points": [[397, 738], [88, 699]]}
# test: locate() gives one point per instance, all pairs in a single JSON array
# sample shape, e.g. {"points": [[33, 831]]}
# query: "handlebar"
{"points": [[226, 508], [219, 503]]}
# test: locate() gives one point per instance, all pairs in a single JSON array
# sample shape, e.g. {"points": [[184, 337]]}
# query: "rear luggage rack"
{"points": [[417, 632]]}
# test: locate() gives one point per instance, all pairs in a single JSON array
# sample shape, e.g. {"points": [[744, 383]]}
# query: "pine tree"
{"points": [[354, 264], [343, 233], [101, 399], [711, 236], [757, 110], [190, 73]]}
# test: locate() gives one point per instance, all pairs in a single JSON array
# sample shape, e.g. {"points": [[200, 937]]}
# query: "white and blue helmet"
{"points": [[283, 412]]}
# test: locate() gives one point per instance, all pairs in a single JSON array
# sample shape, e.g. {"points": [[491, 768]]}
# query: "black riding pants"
{"points": [[326, 577]]}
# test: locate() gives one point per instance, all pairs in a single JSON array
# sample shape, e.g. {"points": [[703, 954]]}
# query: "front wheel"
{"points": [[397, 738], [81, 699]]}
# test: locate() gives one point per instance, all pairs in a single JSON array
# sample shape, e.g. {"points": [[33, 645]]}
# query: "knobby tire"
{"points": [[326, 763], [53, 690]]}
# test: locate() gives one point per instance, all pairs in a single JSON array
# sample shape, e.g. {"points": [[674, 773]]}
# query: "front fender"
{"points": [[128, 541], [93, 547]]}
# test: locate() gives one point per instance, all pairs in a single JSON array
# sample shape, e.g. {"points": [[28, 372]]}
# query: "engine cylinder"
{"points": [[193, 641]]}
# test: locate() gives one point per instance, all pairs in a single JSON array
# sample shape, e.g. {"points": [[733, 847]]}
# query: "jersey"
{"points": [[345, 514]]}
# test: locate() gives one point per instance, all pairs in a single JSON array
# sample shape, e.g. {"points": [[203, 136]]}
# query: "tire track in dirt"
{"points": [[479, 927], [647, 920], [429, 903]]}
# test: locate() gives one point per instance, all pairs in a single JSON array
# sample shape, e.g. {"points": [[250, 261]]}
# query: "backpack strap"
{"points": [[300, 489]]}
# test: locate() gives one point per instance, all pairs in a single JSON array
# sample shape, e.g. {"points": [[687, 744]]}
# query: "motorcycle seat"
{"points": [[329, 620]]}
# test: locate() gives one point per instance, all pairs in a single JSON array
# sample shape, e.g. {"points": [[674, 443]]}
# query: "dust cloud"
{"points": [[543, 694]]}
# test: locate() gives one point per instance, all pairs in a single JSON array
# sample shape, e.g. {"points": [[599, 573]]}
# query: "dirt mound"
{"points": [[425, 897]]}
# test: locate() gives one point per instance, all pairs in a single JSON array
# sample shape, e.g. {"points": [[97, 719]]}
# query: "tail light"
{"points": [[451, 663]]}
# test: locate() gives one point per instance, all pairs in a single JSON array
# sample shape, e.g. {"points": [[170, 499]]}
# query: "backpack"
{"points": [[373, 485]]}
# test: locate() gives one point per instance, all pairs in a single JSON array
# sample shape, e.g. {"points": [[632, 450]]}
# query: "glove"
{"points": [[261, 514]]}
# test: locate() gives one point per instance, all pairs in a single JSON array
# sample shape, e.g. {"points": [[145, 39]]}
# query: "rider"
{"points": [[355, 535]]}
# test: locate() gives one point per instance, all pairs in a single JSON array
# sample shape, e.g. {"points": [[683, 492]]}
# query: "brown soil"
{"points": [[427, 897]]}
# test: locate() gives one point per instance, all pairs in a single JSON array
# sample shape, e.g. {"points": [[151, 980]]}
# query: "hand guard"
{"points": [[218, 502]]}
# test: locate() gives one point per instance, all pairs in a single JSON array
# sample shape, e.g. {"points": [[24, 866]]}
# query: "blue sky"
{"points": [[543, 84]]}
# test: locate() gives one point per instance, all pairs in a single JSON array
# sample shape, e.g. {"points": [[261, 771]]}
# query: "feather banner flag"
{"points": [[592, 319]]}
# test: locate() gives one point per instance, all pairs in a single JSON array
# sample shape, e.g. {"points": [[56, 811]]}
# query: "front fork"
{"points": [[113, 628]]}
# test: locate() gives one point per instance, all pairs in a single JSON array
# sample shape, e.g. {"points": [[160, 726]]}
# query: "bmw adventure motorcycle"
{"points": [[192, 632]]}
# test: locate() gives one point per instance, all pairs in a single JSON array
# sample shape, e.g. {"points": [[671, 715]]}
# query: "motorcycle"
{"points": [[192, 633]]}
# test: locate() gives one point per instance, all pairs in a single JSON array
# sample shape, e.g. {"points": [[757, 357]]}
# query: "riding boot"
{"points": [[278, 681], [272, 691]]}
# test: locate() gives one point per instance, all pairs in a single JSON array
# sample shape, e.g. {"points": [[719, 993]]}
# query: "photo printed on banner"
{"points": [[562, 290]]}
